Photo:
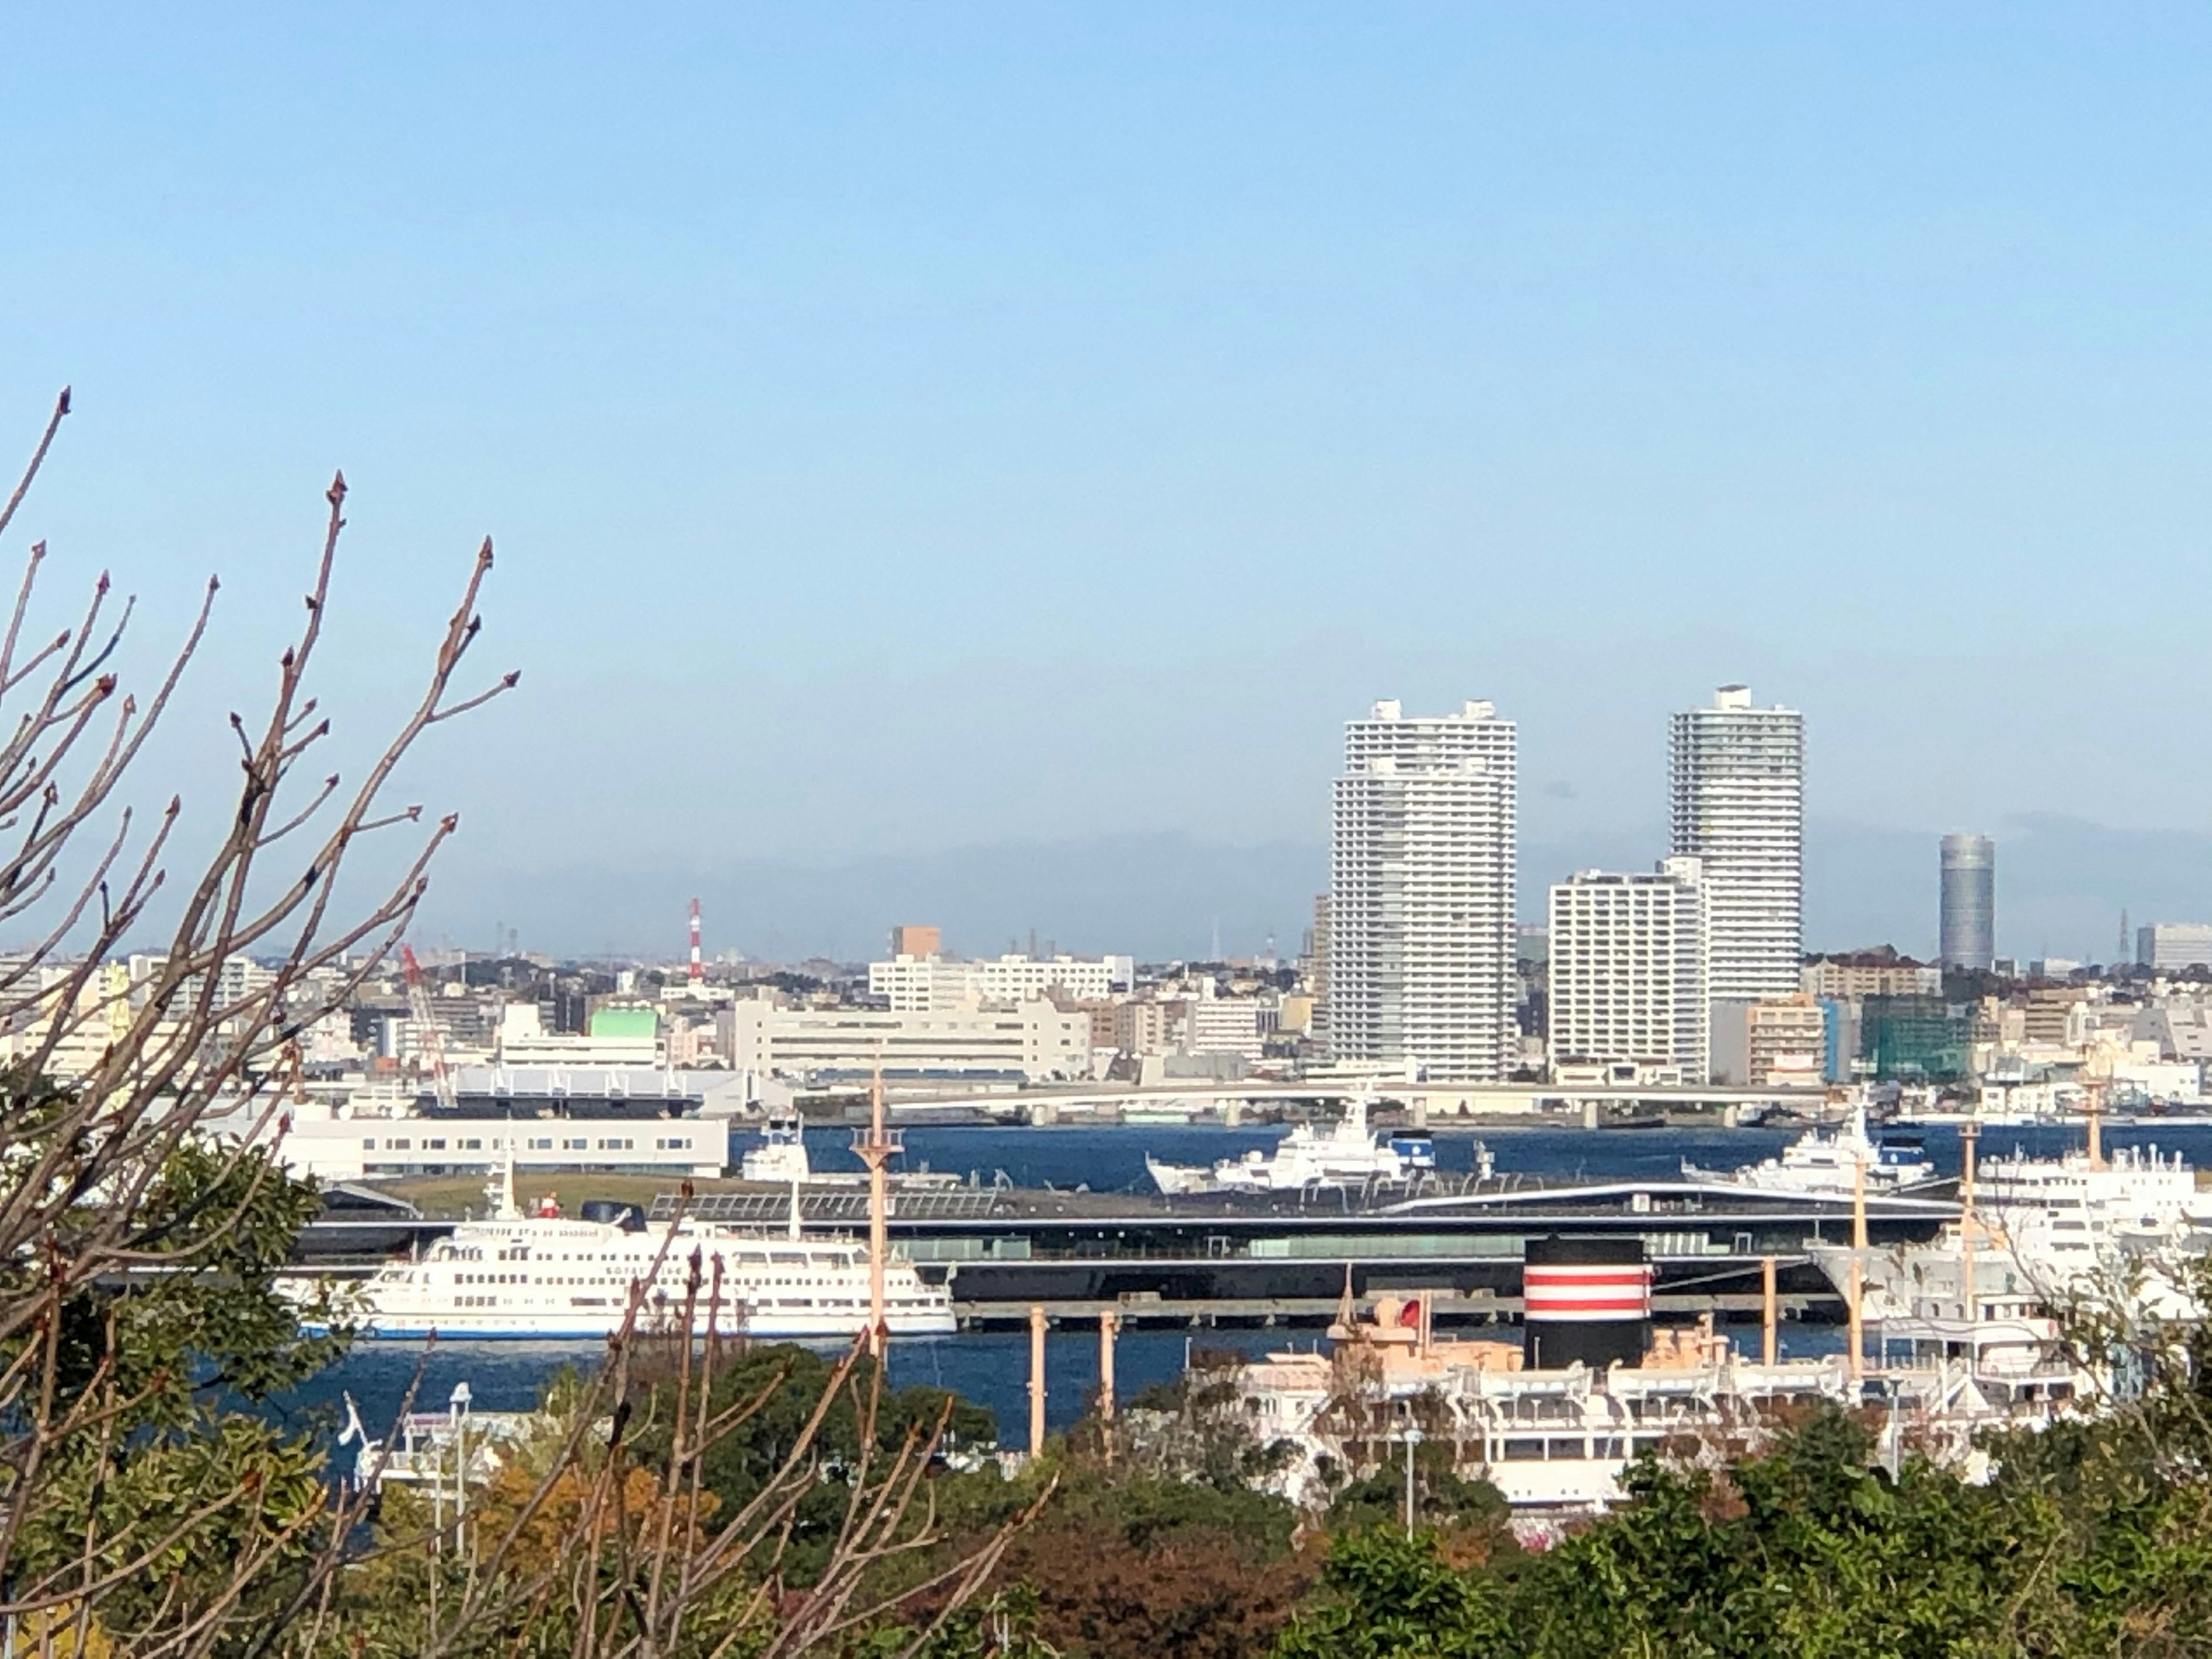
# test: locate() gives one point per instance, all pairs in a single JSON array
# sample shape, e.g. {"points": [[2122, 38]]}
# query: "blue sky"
{"points": [[908, 428]]}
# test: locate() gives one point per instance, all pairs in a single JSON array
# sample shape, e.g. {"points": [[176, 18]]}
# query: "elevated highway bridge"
{"points": [[1427, 1102]]}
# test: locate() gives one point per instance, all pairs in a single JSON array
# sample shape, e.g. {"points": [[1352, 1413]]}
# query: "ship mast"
{"points": [[875, 1152], [2096, 1072], [1855, 1310], [1970, 1134], [501, 1188]]}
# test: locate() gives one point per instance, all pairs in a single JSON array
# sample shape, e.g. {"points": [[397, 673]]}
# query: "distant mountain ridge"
{"points": [[2062, 883]]}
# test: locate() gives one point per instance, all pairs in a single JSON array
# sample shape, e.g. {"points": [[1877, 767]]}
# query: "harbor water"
{"points": [[991, 1367]]}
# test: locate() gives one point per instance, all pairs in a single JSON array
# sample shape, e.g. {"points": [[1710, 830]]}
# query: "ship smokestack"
{"points": [[1586, 1300]]}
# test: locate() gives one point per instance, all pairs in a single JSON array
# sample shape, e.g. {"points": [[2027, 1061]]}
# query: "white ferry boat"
{"points": [[546, 1276], [1825, 1164], [1345, 1154], [2052, 1228], [2135, 1196]]}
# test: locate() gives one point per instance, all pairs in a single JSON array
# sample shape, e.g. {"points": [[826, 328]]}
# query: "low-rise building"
{"points": [[1856, 976], [930, 984], [1772, 1043], [2170, 946], [365, 1144], [614, 1037], [1230, 1025], [1033, 1042]]}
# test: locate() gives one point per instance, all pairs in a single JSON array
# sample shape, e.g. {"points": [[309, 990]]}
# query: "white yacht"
{"points": [[544, 1276], [1345, 1154], [1825, 1163]]}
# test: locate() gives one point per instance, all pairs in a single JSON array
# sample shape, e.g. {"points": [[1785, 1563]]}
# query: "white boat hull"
{"points": [[527, 1328]]}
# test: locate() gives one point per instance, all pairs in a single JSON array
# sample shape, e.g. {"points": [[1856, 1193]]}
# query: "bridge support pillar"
{"points": [[1036, 1380]]}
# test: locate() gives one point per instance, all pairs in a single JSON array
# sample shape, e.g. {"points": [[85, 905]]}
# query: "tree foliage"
{"points": [[686, 1496], [2082, 1544]]}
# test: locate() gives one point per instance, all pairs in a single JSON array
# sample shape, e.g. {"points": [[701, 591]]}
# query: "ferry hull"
{"points": [[386, 1327]]}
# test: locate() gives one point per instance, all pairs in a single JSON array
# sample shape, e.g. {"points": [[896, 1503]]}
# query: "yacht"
{"points": [[1825, 1163], [1345, 1154], [545, 1275]]}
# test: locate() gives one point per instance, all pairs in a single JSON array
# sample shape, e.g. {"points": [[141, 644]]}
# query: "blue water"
{"points": [[1111, 1158], [992, 1368], [988, 1367]]}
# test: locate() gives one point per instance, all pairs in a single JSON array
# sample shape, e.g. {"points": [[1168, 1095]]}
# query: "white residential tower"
{"points": [[1738, 780], [1421, 937], [1628, 973]]}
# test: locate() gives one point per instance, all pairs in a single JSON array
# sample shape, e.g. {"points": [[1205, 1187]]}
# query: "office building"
{"points": [[1421, 936], [1967, 930], [2170, 946], [1738, 786], [1033, 1042], [1628, 973]]}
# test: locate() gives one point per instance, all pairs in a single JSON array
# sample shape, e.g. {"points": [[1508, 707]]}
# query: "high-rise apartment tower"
{"points": [[1628, 972], [1421, 946], [1966, 931], [1738, 777]]}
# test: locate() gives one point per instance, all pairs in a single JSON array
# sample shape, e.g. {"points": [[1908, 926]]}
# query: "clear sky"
{"points": [[912, 428]]}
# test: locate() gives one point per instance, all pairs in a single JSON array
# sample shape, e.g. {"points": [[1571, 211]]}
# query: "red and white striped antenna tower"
{"points": [[698, 974]]}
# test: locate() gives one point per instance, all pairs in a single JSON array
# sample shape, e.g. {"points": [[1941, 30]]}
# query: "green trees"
{"points": [[1385, 1596], [146, 1494], [2082, 1545]]}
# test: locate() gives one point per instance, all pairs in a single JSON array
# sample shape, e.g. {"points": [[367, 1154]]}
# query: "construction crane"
{"points": [[429, 1039]]}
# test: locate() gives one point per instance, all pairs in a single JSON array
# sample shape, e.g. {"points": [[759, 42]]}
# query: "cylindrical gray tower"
{"points": [[1968, 924]]}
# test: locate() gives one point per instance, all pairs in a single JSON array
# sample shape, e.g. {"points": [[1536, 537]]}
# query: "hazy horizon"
{"points": [[1160, 897]]}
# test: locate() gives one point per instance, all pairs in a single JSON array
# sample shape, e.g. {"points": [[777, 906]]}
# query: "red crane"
{"points": [[428, 1038]]}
